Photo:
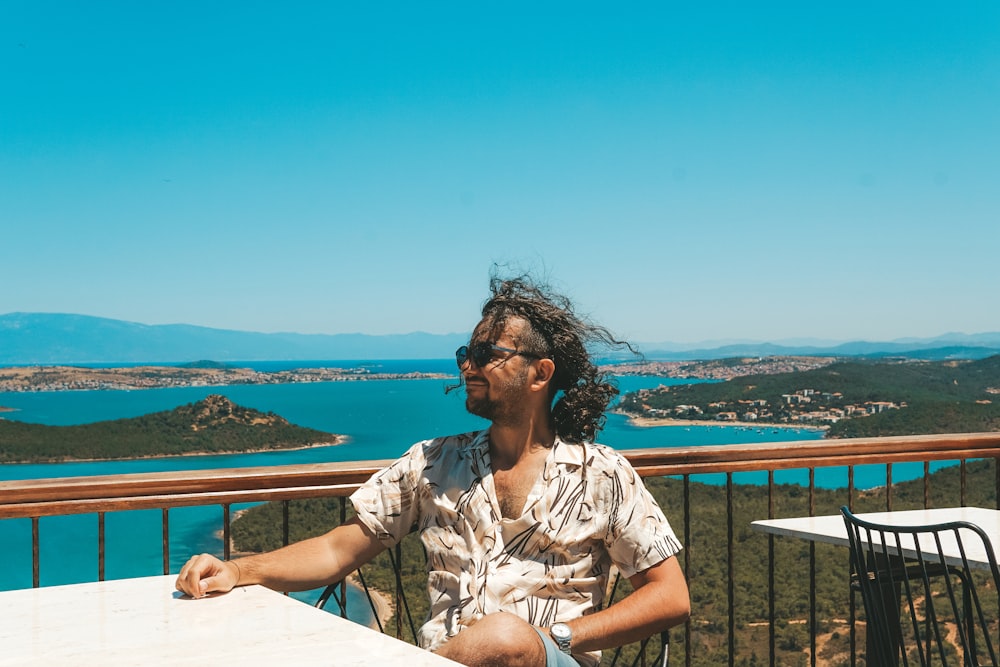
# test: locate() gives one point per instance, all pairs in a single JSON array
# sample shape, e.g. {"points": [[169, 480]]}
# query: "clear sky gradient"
{"points": [[685, 171]]}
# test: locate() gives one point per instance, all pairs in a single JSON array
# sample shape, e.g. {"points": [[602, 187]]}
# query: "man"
{"points": [[521, 522]]}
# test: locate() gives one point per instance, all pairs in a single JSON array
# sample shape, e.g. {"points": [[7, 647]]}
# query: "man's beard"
{"points": [[500, 410]]}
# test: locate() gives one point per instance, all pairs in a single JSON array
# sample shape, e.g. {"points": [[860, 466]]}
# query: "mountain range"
{"points": [[53, 338]]}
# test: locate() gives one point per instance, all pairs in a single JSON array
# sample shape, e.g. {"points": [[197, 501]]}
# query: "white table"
{"points": [[146, 622], [831, 529]]}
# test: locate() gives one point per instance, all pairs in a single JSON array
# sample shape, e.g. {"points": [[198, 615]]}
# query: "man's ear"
{"points": [[544, 370]]}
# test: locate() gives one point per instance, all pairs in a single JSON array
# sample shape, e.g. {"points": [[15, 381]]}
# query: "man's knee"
{"points": [[510, 632], [500, 639]]}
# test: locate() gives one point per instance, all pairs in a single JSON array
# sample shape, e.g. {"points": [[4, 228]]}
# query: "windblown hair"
{"points": [[556, 332]]}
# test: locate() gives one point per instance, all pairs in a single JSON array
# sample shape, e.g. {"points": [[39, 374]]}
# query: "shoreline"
{"points": [[652, 422], [382, 601]]}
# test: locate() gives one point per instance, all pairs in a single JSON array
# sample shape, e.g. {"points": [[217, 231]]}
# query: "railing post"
{"points": [[100, 546], [812, 572], [226, 536], [731, 583], [963, 477], [399, 591], [687, 563], [927, 484], [852, 610], [771, 643], [996, 483], [342, 589], [35, 557], [888, 487], [166, 539]]}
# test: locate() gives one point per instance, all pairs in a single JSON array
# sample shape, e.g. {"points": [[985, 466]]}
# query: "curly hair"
{"points": [[557, 332]]}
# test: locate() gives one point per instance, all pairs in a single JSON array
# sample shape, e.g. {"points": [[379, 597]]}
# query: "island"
{"points": [[213, 425]]}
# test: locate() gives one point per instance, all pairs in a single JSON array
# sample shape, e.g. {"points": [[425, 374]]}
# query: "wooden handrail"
{"points": [[813, 453], [188, 481]]}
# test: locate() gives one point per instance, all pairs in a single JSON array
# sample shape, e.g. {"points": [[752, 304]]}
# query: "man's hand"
{"points": [[205, 574]]}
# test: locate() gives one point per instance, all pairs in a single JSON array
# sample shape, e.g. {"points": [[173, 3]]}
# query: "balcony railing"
{"points": [[744, 611]]}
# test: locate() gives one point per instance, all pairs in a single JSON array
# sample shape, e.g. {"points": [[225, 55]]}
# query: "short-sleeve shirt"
{"points": [[588, 510]]}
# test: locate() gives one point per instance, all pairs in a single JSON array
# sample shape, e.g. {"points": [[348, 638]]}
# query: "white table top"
{"points": [[831, 528], [146, 622]]}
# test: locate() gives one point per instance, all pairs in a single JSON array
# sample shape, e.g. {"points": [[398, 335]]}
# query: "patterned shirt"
{"points": [[588, 510]]}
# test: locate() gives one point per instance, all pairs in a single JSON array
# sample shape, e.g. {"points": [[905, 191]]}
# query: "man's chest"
{"points": [[512, 492]]}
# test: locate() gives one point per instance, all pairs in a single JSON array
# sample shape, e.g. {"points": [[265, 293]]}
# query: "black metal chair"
{"points": [[921, 607]]}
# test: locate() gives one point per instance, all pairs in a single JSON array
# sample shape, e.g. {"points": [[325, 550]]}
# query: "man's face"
{"points": [[495, 390]]}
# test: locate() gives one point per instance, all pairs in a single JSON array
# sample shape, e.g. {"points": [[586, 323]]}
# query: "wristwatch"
{"points": [[562, 636]]}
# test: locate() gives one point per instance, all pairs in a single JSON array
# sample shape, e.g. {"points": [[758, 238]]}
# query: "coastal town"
{"points": [[75, 378], [804, 407], [721, 369]]}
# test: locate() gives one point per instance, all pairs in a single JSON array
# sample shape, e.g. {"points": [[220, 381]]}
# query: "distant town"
{"points": [[722, 369], [74, 378], [806, 407]]}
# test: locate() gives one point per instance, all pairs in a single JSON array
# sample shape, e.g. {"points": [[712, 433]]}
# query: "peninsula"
{"points": [[850, 399], [199, 374]]}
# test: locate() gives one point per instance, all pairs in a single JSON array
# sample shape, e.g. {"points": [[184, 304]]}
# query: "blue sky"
{"points": [[685, 171]]}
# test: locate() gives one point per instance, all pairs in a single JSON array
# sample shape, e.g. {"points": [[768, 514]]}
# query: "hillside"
{"points": [[214, 425], [855, 398]]}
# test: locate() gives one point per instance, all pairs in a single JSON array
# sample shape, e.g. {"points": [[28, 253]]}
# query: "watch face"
{"points": [[560, 631]]}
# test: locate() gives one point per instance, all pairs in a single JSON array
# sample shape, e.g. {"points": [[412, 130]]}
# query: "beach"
{"points": [[382, 601]]}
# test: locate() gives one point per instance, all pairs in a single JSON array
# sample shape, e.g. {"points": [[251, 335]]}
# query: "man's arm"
{"points": [[301, 566], [660, 601]]}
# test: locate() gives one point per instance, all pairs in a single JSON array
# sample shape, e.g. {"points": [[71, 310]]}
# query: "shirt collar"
{"points": [[568, 453]]}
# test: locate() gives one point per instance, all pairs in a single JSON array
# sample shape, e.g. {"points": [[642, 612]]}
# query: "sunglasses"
{"points": [[482, 353]]}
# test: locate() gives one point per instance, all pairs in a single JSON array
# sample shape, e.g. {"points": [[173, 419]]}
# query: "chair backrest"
{"points": [[925, 603]]}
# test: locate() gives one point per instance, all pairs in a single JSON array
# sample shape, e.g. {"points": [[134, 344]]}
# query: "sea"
{"points": [[381, 419]]}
